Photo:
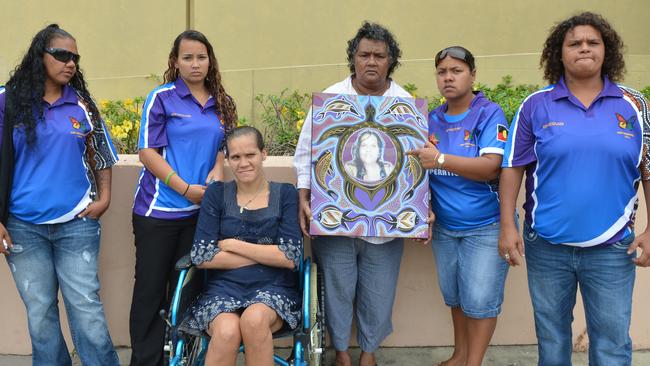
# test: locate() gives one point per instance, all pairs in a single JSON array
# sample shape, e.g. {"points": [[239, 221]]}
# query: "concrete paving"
{"points": [[420, 356]]}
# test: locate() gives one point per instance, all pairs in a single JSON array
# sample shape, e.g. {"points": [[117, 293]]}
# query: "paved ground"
{"points": [[425, 356]]}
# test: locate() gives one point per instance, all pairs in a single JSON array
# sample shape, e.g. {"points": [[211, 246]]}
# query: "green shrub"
{"points": [[281, 120], [508, 96]]}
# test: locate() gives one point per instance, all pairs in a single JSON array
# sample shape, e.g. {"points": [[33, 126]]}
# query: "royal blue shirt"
{"points": [[583, 165], [460, 203], [188, 136], [52, 180]]}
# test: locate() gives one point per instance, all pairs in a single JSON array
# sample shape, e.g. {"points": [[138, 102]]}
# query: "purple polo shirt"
{"points": [[188, 136], [582, 164]]}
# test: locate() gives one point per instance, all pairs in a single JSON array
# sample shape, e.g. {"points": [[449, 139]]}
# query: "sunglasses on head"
{"points": [[456, 53], [63, 55]]}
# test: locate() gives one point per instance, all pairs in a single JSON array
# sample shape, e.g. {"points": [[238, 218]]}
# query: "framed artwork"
{"points": [[363, 183]]}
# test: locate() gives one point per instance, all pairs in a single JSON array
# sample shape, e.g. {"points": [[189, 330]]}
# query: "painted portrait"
{"points": [[363, 183]]}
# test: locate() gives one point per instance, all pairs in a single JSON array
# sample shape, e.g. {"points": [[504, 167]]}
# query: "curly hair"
{"points": [[226, 108], [26, 86], [375, 32], [551, 59]]}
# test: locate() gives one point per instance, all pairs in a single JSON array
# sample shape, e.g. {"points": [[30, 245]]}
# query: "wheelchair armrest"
{"points": [[184, 263]]}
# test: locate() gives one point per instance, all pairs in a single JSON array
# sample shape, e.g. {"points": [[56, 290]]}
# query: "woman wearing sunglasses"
{"points": [[55, 183], [181, 138], [467, 136]]}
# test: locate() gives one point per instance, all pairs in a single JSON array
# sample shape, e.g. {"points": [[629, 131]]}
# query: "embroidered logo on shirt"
{"points": [[553, 124], [502, 133], [626, 124], [181, 115], [75, 124], [623, 123], [468, 139]]}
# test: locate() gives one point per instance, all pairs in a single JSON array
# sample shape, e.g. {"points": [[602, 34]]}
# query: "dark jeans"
{"points": [[159, 244]]}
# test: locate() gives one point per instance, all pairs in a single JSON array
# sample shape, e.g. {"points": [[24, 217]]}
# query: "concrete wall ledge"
{"points": [[420, 316]]}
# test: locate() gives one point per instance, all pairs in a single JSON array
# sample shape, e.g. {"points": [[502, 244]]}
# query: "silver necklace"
{"points": [[245, 206]]}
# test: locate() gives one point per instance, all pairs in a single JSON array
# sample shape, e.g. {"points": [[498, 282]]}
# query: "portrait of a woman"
{"points": [[368, 164]]}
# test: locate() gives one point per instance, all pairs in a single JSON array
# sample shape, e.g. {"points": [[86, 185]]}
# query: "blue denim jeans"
{"points": [[49, 257], [471, 274], [606, 278]]}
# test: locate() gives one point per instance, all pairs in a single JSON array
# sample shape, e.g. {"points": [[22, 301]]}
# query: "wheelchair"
{"points": [[187, 347]]}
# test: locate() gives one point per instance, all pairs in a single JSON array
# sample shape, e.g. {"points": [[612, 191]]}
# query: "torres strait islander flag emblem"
{"points": [[502, 133]]}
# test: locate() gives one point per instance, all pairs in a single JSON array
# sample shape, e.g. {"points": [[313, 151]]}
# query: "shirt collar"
{"points": [[560, 90], [479, 98], [181, 88], [183, 91], [68, 96]]}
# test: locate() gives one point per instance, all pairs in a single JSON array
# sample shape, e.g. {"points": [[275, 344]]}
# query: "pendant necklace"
{"points": [[245, 206]]}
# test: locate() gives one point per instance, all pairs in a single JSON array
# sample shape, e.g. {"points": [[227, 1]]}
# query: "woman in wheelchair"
{"points": [[249, 239]]}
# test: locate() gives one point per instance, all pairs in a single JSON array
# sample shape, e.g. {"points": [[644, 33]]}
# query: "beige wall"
{"points": [[257, 35], [265, 46], [420, 316], [120, 42]]}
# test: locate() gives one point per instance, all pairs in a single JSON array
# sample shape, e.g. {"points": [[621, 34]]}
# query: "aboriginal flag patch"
{"points": [[502, 133]]}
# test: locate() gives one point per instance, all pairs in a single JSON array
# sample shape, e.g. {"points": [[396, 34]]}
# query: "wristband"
{"points": [[168, 177], [186, 189]]}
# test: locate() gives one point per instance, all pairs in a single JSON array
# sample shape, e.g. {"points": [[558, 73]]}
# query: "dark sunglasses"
{"points": [[63, 55], [457, 53]]}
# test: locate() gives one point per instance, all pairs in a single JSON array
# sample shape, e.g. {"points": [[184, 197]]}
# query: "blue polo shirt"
{"points": [[460, 203], [188, 136], [51, 181], [582, 164]]}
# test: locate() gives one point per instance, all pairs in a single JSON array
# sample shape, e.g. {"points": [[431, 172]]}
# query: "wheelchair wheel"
{"points": [[192, 352], [316, 349]]}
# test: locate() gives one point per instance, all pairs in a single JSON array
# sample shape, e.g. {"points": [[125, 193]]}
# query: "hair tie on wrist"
{"points": [[168, 177], [186, 189]]}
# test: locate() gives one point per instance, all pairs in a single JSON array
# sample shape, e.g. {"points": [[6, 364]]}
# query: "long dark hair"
{"points": [[26, 86], [356, 158], [551, 60], [226, 108]]}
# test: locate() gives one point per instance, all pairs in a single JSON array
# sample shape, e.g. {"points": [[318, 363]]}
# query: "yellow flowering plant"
{"points": [[122, 119], [282, 119]]}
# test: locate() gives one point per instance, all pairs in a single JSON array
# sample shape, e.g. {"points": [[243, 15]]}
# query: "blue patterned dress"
{"points": [[234, 290]]}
